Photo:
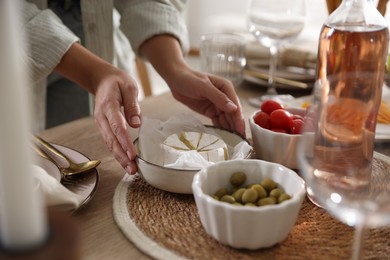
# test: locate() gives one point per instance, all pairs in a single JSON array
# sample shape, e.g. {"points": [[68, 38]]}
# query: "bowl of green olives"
{"points": [[248, 203]]}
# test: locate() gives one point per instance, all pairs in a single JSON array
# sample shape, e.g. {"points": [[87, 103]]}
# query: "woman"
{"points": [[54, 47]]}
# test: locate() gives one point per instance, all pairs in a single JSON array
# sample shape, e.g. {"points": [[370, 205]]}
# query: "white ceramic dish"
{"points": [[86, 187], [273, 146], [243, 226], [306, 75], [178, 180], [382, 133]]}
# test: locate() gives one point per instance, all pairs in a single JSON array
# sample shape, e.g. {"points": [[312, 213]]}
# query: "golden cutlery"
{"points": [[283, 81], [73, 168], [64, 179]]}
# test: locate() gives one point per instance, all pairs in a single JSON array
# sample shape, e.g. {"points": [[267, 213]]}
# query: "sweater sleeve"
{"points": [[143, 19], [48, 40]]}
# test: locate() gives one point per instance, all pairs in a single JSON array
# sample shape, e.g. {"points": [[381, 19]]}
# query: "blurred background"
{"points": [[66, 101]]}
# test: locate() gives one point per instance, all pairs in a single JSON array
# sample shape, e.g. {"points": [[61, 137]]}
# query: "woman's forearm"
{"points": [[164, 53], [82, 67]]}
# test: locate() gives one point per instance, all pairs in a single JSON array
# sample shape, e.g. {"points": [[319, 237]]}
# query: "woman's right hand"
{"points": [[116, 89]]}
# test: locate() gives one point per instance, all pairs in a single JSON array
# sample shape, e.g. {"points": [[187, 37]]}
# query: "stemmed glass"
{"points": [[336, 157], [274, 23]]}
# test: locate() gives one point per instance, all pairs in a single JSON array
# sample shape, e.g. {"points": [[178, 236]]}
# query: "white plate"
{"points": [[86, 187], [382, 132], [305, 75], [264, 83], [283, 71]]}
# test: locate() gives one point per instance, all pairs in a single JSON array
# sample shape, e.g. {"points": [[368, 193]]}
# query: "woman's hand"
{"points": [[209, 95], [114, 90], [117, 90]]}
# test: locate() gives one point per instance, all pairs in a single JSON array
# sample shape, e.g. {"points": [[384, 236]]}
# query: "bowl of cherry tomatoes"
{"points": [[276, 131]]}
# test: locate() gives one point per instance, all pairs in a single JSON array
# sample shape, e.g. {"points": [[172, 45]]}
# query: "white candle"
{"points": [[22, 217]]}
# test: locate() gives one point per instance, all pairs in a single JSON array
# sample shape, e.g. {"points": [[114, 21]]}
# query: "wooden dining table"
{"points": [[100, 236]]}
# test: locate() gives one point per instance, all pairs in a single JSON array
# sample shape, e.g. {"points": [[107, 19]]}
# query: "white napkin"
{"points": [[54, 193]]}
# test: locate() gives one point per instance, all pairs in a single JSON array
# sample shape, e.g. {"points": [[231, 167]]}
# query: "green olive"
{"points": [[234, 189], [261, 192], [256, 194], [276, 193], [215, 197], [237, 179], [249, 196], [266, 201], [228, 199], [283, 197], [250, 185], [221, 192], [268, 184], [237, 195]]}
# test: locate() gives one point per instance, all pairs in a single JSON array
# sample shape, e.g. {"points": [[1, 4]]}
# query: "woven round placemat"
{"points": [[167, 226]]}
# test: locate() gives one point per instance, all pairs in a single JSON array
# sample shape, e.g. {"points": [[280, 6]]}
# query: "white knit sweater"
{"points": [[49, 38], [142, 19]]}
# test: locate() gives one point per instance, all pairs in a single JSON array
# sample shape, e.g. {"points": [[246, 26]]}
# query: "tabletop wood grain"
{"points": [[101, 238]]}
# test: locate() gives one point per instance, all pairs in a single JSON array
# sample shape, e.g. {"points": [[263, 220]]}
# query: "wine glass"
{"points": [[274, 23], [336, 156]]}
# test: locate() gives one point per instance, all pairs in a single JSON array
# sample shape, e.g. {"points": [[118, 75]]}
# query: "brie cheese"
{"points": [[210, 147]]}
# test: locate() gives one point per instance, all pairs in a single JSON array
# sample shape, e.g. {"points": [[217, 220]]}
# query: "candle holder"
{"points": [[63, 241]]}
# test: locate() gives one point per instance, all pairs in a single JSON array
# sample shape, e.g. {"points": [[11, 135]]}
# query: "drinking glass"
{"points": [[275, 23], [223, 54], [336, 156]]}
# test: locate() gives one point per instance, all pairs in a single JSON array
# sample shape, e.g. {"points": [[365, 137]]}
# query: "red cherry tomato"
{"points": [[269, 106], [296, 127], [280, 119], [262, 119], [295, 116]]}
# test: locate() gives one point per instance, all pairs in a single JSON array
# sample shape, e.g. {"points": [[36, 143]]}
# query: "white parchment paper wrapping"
{"points": [[153, 133]]}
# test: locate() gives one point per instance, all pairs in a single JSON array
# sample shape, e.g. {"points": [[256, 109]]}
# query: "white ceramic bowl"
{"points": [[179, 180], [273, 146], [243, 226]]}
